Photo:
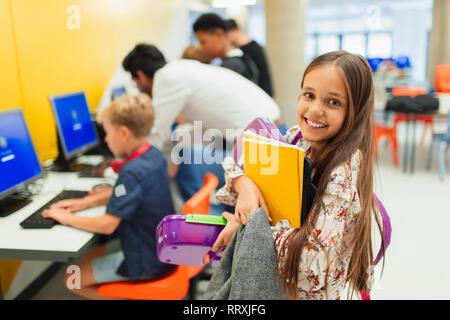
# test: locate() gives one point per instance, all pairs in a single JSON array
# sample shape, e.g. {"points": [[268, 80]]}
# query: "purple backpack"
{"points": [[387, 229], [261, 126]]}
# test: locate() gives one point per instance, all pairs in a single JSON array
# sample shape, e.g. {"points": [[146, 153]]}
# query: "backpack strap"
{"points": [[387, 230]]}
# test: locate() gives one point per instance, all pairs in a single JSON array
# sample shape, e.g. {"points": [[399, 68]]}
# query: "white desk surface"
{"points": [[59, 243]]}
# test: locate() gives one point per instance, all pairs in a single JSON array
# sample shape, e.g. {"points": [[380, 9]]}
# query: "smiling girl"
{"points": [[333, 248]]}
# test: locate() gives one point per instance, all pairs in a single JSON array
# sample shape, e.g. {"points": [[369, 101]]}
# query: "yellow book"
{"points": [[277, 169]]}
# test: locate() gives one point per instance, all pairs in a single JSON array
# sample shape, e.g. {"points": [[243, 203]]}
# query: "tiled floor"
{"points": [[418, 260]]}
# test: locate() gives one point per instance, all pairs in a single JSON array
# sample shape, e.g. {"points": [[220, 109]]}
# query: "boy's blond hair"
{"points": [[134, 112]]}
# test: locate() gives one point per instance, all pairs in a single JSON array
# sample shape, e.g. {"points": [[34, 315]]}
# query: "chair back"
{"points": [[442, 78], [408, 91], [200, 202], [173, 287]]}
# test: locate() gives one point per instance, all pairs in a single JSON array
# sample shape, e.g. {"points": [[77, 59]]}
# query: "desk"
{"points": [[411, 118], [58, 244]]}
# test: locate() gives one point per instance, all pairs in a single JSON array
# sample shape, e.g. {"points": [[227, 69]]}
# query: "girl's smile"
{"points": [[314, 124]]}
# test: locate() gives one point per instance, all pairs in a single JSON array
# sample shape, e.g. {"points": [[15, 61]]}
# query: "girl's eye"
{"points": [[308, 95], [334, 102]]}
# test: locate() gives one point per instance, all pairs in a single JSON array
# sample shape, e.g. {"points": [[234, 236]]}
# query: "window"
{"points": [[370, 45], [310, 48], [354, 43], [379, 45], [327, 42]]}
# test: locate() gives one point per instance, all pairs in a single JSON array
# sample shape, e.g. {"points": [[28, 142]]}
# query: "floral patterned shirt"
{"points": [[322, 269]]}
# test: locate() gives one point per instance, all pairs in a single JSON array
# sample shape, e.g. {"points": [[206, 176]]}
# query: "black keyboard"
{"points": [[37, 221]]}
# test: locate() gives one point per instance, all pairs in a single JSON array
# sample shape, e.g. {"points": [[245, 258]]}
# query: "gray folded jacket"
{"points": [[248, 268]]}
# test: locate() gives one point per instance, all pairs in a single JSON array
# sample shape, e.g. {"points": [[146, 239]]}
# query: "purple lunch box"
{"points": [[185, 239]]}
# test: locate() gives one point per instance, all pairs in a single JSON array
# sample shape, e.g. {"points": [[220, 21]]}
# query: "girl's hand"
{"points": [[249, 199], [59, 214], [227, 233], [72, 205]]}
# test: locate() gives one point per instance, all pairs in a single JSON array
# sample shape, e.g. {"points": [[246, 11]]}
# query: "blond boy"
{"points": [[139, 199]]}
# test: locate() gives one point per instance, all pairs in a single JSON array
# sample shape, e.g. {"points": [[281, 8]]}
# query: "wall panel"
{"points": [[65, 46]]}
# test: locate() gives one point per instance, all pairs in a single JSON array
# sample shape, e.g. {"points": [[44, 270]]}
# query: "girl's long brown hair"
{"points": [[356, 133]]}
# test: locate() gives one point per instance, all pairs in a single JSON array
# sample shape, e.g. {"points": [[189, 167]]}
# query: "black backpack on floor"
{"points": [[424, 103]]}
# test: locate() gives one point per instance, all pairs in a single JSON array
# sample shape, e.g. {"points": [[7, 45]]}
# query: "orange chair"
{"points": [[390, 133], [176, 285], [412, 92], [199, 203], [426, 119], [442, 78], [408, 91]]}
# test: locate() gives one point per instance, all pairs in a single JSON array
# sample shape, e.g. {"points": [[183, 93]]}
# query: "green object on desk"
{"points": [[206, 219]]}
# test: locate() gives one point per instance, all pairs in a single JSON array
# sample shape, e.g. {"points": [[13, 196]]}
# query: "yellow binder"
{"points": [[277, 169]]}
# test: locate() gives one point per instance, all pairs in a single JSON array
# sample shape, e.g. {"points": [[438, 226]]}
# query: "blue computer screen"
{"points": [[74, 121], [118, 92], [18, 159]]}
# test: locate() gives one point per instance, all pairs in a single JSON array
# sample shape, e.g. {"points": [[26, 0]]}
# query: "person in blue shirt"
{"points": [[139, 200]]}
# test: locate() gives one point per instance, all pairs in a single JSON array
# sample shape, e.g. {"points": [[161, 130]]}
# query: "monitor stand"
{"points": [[13, 203], [63, 165]]}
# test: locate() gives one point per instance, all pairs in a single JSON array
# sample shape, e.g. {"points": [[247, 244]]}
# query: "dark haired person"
{"points": [[211, 32], [253, 50], [218, 97]]}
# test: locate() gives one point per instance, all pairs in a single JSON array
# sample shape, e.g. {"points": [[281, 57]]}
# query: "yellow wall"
{"points": [[43, 52], [9, 82], [10, 98], [53, 58]]}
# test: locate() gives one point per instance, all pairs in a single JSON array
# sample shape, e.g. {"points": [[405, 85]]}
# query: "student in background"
{"points": [[211, 32], [253, 50], [219, 98], [139, 200], [334, 247], [196, 53]]}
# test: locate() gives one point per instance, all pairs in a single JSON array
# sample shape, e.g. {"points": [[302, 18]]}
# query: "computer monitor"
{"points": [[76, 131], [19, 163], [375, 63], [403, 62], [117, 92]]}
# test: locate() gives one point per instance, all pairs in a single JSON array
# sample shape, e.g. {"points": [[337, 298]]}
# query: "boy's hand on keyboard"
{"points": [[73, 205], [59, 214]]}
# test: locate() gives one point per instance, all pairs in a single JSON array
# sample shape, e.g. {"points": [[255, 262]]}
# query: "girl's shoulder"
{"points": [[292, 133], [294, 136]]}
